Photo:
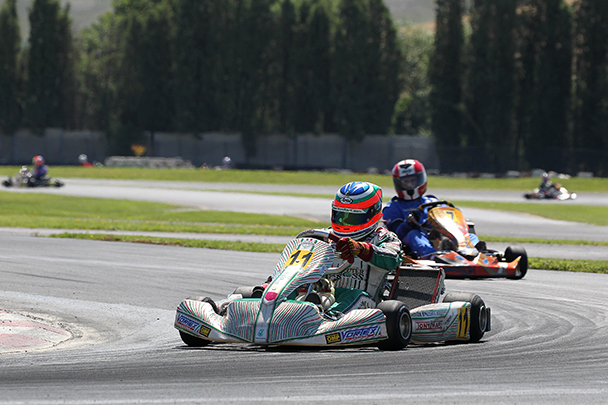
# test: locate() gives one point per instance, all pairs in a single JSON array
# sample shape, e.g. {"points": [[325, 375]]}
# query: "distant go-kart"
{"points": [[555, 192], [450, 234], [25, 179], [292, 310]]}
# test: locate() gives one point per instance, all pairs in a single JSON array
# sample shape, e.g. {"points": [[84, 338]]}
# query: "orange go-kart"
{"points": [[450, 233]]}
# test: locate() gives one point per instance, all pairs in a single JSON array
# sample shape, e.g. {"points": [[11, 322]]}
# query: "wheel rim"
{"points": [[405, 325], [483, 318]]}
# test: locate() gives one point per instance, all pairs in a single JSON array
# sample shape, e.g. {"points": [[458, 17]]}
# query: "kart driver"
{"points": [[402, 215], [546, 187], [40, 169], [372, 250]]}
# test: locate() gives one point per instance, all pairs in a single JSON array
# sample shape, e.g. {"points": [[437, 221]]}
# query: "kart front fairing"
{"points": [[275, 318], [448, 222]]}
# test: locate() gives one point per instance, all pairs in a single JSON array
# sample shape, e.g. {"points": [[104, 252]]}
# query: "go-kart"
{"points": [[25, 179], [555, 192], [289, 309], [450, 233]]}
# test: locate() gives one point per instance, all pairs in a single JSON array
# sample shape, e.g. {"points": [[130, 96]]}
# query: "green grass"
{"points": [[589, 214], [581, 266], [194, 243], [35, 210]]}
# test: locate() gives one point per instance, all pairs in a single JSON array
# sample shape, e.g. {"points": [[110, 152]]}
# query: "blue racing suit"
{"points": [[39, 172], [395, 214]]}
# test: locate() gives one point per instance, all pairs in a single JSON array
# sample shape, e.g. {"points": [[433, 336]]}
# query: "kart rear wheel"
{"points": [[398, 325], [480, 314], [512, 253], [193, 341]]}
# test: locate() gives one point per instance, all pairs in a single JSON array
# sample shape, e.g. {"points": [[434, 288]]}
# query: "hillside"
{"points": [[85, 12]]}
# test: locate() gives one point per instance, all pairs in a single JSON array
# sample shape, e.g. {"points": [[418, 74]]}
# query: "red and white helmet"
{"points": [[38, 161], [409, 178]]}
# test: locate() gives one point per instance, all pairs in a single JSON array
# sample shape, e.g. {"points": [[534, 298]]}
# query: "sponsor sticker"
{"points": [[429, 325], [360, 333], [333, 338], [188, 323], [205, 331]]}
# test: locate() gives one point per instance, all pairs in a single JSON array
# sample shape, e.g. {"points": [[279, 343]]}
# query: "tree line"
{"points": [[250, 66], [522, 84], [500, 84]]}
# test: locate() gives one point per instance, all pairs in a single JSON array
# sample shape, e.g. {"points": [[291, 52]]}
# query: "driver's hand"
{"points": [[349, 248], [412, 221]]}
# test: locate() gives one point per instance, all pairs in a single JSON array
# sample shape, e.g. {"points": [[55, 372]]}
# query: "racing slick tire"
{"points": [[7, 183], [398, 325], [193, 341], [480, 314], [512, 253]]}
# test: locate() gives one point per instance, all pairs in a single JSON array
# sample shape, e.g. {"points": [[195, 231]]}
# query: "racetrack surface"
{"points": [[548, 344]]}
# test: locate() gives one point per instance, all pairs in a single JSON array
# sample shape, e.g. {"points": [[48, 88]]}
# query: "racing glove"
{"points": [[349, 248]]}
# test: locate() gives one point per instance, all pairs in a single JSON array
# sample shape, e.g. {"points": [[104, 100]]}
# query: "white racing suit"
{"points": [[361, 284]]}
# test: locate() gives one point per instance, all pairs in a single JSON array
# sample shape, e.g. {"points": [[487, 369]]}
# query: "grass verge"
{"points": [[581, 266], [185, 242]]}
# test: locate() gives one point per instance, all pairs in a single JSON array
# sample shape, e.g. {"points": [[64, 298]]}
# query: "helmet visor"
{"points": [[410, 182], [354, 216]]}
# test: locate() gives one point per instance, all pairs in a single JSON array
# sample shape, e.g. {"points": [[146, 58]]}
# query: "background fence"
{"points": [[303, 151]]}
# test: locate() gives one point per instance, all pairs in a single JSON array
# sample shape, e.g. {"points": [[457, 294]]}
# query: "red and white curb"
{"points": [[21, 333]]}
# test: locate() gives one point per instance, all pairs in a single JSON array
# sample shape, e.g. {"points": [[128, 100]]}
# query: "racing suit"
{"points": [[396, 213], [360, 285], [39, 172]]}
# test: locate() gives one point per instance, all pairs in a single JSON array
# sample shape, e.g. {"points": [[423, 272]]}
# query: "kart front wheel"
{"points": [[479, 317], [193, 341], [398, 325], [512, 253]]}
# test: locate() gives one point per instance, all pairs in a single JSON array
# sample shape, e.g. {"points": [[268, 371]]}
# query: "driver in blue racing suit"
{"points": [[402, 215], [40, 169]]}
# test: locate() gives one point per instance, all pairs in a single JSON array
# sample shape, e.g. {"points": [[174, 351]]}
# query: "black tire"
{"points": [[193, 341], [480, 314], [512, 253], [57, 183], [398, 325], [7, 183]]}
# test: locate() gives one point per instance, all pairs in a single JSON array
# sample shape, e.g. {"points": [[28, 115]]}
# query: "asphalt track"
{"points": [[548, 344]]}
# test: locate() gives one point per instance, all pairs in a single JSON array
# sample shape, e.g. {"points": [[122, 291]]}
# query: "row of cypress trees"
{"points": [[252, 66], [510, 83], [528, 87]]}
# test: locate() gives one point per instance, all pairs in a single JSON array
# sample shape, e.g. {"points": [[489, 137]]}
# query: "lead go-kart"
{"points": [[277, 314], [450, 233], [25, 179]]}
